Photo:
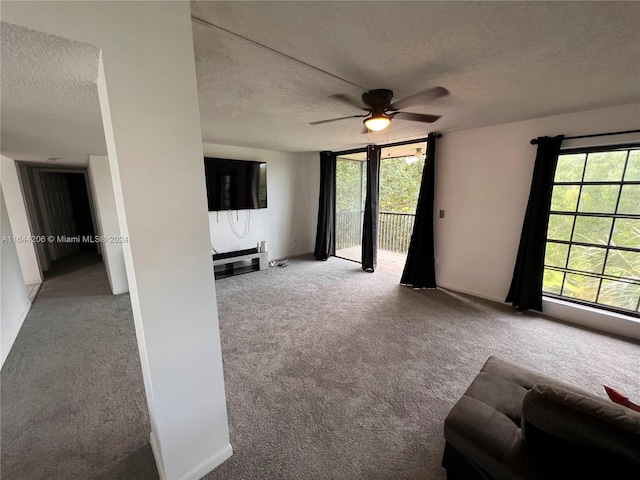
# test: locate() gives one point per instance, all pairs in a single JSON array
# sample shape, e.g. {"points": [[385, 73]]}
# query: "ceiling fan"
{"points": [[381, 111]]}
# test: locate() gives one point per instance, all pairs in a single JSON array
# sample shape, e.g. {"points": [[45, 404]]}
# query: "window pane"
{"points": [[623, 264], [552, 282], [619, 294], [587, 259], [564, 198], [630, 200], [592, 230], [581, 287], [556, 254], [348, 186], [605, 166], [584, 237], [633, 166], [570, 167], [626, 233], [598, 198], [560, 227]]}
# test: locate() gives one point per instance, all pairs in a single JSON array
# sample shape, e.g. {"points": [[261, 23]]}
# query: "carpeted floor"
{"points": [[331, 373], [78, 275], [73, 404]]}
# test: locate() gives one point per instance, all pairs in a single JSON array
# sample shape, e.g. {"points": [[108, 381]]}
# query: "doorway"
{"points": [[60, 209], [351, 185], [400, 179]]}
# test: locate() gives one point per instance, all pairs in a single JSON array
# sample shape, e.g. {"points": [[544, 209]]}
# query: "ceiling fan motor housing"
{"points": [[379, 100]]}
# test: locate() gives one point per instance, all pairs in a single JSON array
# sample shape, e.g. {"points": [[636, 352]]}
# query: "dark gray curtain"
{"points": [[526, 286], [371, 210], [325, 236], [420, 269]]}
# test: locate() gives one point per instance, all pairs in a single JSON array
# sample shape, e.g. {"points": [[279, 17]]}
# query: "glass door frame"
{"points": [[362, 180], [364, 150]]}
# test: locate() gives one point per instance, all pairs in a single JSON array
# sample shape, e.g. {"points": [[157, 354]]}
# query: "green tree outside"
{"points": [[600, 232], [400, 179]]}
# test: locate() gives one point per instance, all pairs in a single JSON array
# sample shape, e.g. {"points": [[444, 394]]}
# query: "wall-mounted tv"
{"points": [[235, 184]]}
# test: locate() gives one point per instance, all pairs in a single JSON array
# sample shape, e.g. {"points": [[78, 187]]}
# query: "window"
{"points": [[593, 240]]}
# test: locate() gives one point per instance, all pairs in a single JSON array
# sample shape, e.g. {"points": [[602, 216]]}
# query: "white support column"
{"points": [[148, 96], [105, 202], [158, 175], [20, 222], [14, 301]]}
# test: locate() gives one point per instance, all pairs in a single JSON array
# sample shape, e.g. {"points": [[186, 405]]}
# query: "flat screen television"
{"points": [[235, 184]]}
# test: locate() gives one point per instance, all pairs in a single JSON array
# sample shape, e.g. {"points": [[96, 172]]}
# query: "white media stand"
{"points": [[236, 263]]}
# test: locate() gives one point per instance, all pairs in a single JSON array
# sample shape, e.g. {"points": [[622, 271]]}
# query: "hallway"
{"points": [[79, 275], [73, 403]]}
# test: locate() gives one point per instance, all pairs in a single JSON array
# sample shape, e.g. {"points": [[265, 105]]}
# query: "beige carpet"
{"points": [[331, 373], [79, 275]]}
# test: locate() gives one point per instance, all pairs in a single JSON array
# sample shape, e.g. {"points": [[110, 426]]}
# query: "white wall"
{"points": [[14, 301], [311, 182], [107, 217], [17, 212], [286, 225], [149, 103], [483, 183]]}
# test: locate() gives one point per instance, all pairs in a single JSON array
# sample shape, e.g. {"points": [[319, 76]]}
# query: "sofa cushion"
{"points": [[602, 436], [484, 425], [566, 432]]}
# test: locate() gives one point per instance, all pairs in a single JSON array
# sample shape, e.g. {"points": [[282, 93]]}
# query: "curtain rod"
{"points": [[386, 145], [534, 141], [408, 142]]}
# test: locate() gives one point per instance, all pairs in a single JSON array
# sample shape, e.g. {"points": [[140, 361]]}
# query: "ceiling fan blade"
{"points": [[349, 101], [364, 130], [336, 119], [420, 98], [416, 117]]}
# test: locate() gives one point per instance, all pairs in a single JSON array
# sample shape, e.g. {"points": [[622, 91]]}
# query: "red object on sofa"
{"points": [[620, 398]]}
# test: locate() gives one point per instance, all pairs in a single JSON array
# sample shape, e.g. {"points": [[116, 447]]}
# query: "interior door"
{"points": [[58, 208]]}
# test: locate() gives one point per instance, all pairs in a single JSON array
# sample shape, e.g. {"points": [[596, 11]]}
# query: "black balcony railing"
{"points": [[394, 230], [348, 229]]}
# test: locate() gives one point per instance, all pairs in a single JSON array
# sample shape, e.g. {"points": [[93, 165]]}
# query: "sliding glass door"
{"points": [[400, 178], [350, 196]]}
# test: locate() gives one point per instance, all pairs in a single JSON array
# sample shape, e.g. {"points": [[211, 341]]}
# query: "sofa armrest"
{"points": [[595, 433]]}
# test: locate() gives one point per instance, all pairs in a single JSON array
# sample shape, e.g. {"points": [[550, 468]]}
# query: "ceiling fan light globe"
{"points": [[377, 123]]}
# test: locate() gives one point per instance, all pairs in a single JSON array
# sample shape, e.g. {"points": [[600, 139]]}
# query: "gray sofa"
{"points": [[513, 423]]}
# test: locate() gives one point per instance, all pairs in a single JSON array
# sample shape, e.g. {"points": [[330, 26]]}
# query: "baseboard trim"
{"points": [[155, 448], [32, 281], [557, 310], [209, 464], [299, 253], [200, 470], [119, 291], [471, 292]]}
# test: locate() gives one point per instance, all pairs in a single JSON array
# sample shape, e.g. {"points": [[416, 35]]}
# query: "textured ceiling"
{"points": [[49, 104], [501, 61]]}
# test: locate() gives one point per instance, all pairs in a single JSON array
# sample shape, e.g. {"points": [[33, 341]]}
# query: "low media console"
{"points": [[241, 261]]}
